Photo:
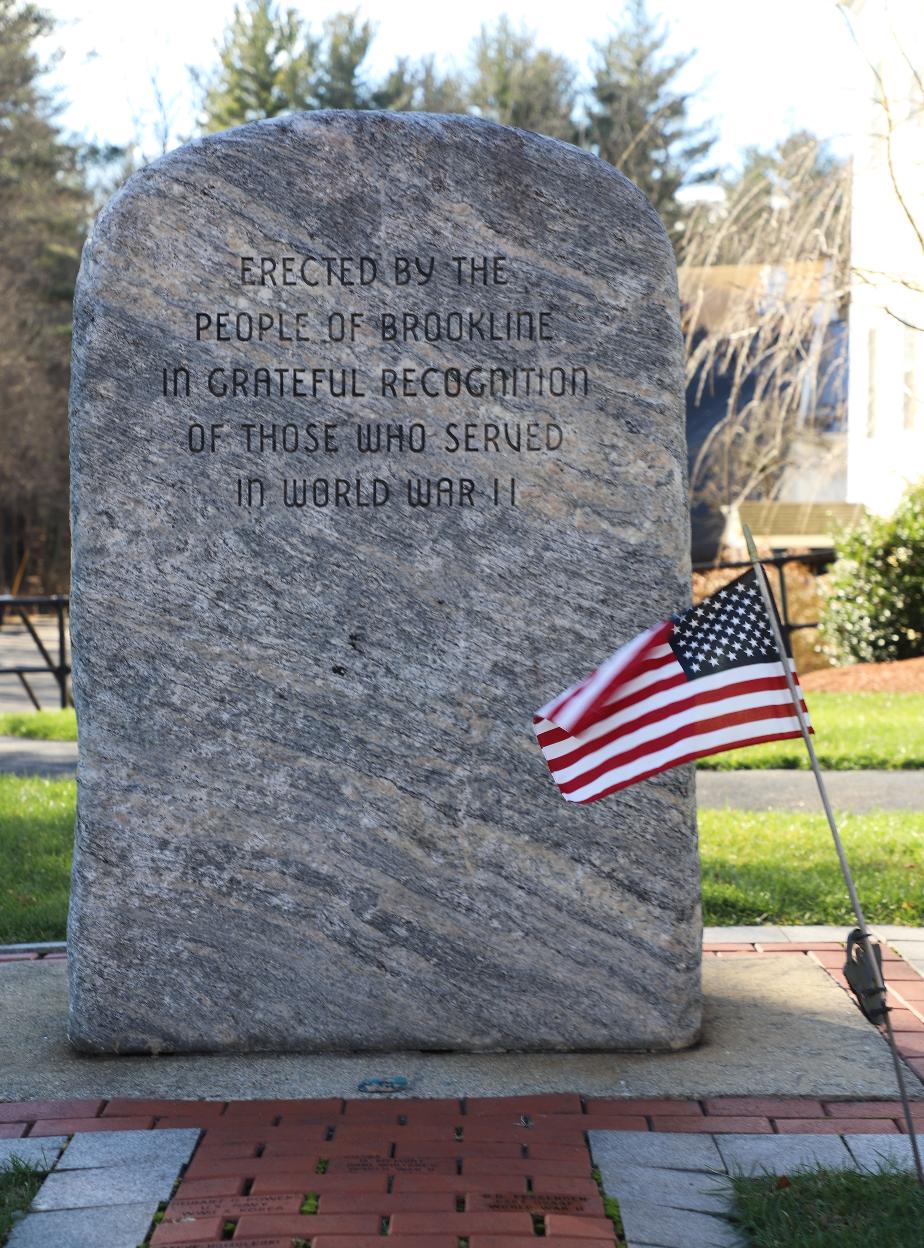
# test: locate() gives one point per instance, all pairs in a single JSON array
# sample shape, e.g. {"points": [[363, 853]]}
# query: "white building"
{"points": [[885, 444]]}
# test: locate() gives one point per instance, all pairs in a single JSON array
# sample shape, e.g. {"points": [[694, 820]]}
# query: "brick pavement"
{"points": [[479, 1172], [492, 1172]]}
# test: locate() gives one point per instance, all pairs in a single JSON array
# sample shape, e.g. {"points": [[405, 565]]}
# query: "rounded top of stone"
{"points": [[559, 160]]}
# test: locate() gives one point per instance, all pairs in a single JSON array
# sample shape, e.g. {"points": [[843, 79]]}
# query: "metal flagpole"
{"points": [[872, 961]]}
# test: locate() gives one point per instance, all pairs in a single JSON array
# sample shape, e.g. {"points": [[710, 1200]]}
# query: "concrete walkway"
{"points": [[500, 1153], [854, 791], [22, 757]]}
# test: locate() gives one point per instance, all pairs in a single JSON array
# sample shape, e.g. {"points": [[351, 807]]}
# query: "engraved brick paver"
{"points": [[304, 1226], [229, 1208], [392, 1202], [375, 1241], [199, 1231]]}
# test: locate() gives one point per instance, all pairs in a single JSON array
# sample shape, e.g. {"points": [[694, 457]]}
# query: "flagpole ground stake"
{"points": [[863, 971]]}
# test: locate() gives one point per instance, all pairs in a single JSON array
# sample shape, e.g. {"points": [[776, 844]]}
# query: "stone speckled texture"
{"points": [[312, 814]]}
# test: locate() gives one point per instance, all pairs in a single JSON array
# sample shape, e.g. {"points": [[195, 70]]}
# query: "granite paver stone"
{"points": [[40, 1152], [705, 1191], [649, 1225], [778, 1154], [161, 1149], [119, 1226], [871, 1151], [110, 1185], [613, 1149]]}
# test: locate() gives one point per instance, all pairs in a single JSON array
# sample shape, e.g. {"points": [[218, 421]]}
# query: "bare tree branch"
{"points": [[882, 100], [762, 284]]}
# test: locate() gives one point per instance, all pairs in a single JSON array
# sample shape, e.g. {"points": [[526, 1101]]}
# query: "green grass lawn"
{"points": [[821, 1208], [758, 867], [852, 730], [780, 867], [36, 837], [40, 725]]}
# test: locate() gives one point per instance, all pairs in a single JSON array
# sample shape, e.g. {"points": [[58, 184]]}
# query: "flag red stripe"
{"points": [[641, 695], [633, 667], [677, 707], [638, 665], [689, 729], [645, 709], [689, 758]]}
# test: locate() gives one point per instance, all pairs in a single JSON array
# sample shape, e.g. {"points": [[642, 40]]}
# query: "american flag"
{"points": [[707, 680]]}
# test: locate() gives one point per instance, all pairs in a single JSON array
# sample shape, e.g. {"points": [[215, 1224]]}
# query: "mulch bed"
{"points": [[906, 676]]}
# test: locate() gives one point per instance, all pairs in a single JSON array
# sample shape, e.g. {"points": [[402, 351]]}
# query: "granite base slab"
{"points": [[774, 1027]]}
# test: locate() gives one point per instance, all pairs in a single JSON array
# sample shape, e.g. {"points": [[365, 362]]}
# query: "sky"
{"points": [[761, 70]]}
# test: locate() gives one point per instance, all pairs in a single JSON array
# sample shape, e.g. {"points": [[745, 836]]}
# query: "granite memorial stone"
{"points": [[377, 444]]}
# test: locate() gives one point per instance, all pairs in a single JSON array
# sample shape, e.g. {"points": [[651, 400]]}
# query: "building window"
{"points": [[909, 379], [871, 384]]}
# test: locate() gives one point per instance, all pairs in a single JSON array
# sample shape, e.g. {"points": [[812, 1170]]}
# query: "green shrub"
{"points": [[873, 598]]}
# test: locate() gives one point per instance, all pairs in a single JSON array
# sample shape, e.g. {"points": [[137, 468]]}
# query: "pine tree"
{"points": [[397, 90], [519, 84], [637, 120], [345, 46], [420, 87], [437, 92], [268, 64], [44, 211]]}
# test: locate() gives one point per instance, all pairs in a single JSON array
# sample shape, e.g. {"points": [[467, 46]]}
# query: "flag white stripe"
{"points": [[659, 652], [702, 743], [651, 678], [664, 697], [660, 728]]}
